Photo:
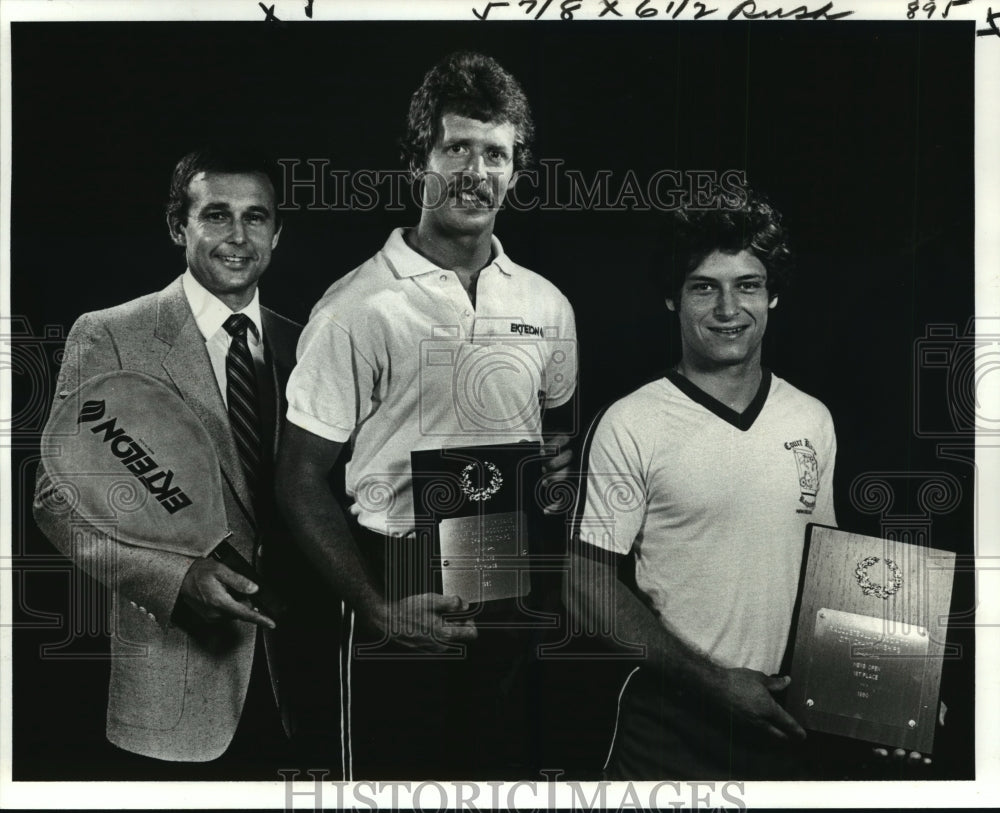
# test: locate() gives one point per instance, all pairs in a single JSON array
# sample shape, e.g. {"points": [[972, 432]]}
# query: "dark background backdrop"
{"points": [[861, 133]]}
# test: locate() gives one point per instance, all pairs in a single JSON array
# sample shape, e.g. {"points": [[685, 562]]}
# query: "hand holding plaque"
{"points": [[749, 695], [555, 482], [426, 622]]}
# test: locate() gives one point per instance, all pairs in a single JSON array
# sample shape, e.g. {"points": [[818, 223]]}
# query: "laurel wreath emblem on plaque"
{"points": [[870, 588], [480, 494]]}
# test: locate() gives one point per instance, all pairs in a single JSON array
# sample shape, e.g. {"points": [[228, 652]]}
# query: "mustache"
{"points": [[483, 188]]}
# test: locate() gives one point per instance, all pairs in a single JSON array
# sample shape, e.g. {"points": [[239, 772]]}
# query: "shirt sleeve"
{"points": [[614, 490], [559, 381], [329, 390]]}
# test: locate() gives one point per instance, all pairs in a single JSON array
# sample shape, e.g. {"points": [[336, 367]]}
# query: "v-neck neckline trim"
{"points": [[741, 420]]}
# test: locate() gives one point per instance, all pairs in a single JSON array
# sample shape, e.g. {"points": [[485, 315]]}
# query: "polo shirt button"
{"points": [[260, 551], [133, 604], [152, 617], [142, 609], [444, 278], [465, 313]]}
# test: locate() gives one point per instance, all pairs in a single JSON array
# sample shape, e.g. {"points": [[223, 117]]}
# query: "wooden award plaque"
{"points": [[869, 638]]}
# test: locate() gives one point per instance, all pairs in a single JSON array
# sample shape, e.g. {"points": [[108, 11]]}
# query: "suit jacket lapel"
{"points": [[189, 367]]}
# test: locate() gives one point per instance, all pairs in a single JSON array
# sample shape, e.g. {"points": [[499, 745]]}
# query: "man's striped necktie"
{"points": [[241, 393]]}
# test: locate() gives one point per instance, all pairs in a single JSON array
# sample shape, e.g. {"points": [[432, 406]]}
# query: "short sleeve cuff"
{"points": [[304, 420], [597, 552]]}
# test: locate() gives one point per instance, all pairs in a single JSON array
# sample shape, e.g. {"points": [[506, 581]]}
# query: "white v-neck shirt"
{"points": [[716, 514]]}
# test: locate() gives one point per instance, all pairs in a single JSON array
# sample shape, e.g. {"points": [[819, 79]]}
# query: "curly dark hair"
{"points": [[242, 161], [471, 85], [692, 235]]}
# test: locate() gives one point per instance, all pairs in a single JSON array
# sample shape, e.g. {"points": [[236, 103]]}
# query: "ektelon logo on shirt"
{"points": [[526, 330]]}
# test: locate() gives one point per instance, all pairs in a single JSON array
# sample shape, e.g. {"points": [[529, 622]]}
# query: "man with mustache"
{"points": [[381, 368]]}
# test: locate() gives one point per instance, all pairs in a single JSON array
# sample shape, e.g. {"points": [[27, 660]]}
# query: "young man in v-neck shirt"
{"points": [[708, 478]]}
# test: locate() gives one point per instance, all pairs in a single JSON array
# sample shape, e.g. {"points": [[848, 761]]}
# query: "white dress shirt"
{"points": [[209, 314]]}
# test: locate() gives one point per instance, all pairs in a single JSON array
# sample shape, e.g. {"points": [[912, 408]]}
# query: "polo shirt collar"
{"points": [[210, 312], [409, 263]]}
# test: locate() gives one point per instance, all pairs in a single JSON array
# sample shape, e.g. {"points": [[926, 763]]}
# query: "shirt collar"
{"points": [[409, 263], [210, 312]]}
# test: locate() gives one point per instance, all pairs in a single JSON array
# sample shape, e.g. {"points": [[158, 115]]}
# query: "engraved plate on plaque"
{"points": [[482, 557], [862, 667]]}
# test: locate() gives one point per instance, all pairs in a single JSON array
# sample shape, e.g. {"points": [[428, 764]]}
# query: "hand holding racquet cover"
{"points": [[127, 452]]}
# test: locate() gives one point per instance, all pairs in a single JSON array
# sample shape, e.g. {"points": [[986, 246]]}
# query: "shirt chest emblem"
{"points": [[807, 469], [522, 329]]}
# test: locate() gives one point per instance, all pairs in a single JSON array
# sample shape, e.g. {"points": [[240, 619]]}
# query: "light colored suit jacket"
{"points": [[176, 690]]}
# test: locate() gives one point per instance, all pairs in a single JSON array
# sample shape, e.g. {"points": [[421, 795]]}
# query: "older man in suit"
{"points": [[202, 686]]}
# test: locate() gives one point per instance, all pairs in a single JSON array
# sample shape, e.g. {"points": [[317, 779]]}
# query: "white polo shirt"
{"points": [[715, 506], [396, 359]]}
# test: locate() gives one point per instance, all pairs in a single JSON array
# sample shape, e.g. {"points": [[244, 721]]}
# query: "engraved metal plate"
{"points": [[866, 667], [483, 557]]}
